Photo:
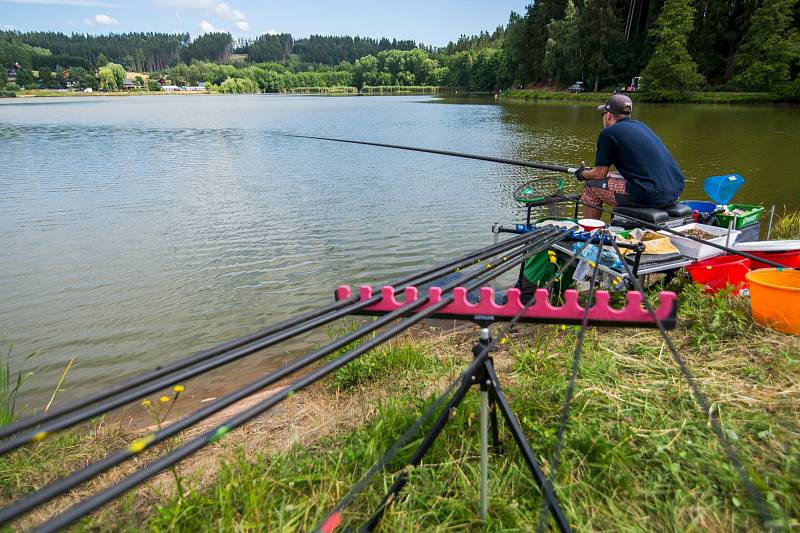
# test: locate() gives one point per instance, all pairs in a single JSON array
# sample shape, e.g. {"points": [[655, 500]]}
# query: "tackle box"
{"points": [[751, 215]]}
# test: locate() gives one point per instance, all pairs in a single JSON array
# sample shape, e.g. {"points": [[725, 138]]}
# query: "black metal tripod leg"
{"points": [[420, 452], [530, 459]]}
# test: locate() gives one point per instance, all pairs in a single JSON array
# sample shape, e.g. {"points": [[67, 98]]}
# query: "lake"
{"points": [[135, 230]]}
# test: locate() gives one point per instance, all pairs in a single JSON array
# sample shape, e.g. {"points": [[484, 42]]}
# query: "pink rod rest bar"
{"points": [[571, 310]]}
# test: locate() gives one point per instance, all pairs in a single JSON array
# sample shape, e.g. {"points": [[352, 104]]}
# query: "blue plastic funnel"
{"points": [[722, 189]]}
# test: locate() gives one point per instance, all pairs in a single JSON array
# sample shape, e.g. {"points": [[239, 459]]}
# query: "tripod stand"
{"points": [[483, 375]]}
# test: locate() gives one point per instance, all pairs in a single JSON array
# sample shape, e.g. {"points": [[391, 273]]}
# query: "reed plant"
{"points": [[787, 226]]}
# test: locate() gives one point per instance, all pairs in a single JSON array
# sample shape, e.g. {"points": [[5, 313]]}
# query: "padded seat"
{"points": [[655, 215]]}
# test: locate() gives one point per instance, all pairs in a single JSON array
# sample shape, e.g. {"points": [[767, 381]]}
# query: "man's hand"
{"points": [[579, 172]]}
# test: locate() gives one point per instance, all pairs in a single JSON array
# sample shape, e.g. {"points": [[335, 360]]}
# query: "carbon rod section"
{"points": [[62, 485], [491, 159], [211, 436], [118, 388], [225, 358]]}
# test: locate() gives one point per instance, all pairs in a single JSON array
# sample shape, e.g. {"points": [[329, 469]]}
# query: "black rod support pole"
{"points": [[527, 453], [441, 421]]}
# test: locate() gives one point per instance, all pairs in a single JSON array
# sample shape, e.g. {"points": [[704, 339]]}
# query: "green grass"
{"points": [[324, 90], [691, 97], [638, 454], [400, 89], [787, 226]]}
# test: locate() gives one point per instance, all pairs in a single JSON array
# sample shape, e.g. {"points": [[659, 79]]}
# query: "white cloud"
{"points": [[74, 3], [7, 27], [224, 11], [213, 7], [101, 20], [207, 27]]}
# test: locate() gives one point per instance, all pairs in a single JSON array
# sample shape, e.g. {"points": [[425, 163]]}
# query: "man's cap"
{"points": [[619, 104]]}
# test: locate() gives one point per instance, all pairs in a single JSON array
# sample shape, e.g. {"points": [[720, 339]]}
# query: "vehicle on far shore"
{"points": [[635, 85], [577, 87]]}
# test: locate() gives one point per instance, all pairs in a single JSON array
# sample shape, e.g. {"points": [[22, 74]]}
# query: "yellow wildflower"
{"points": [[164, 399], [178, 389], [146, 403]]}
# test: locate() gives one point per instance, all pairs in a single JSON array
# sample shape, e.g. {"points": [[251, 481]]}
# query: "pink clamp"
{"points": [[601, 313]]}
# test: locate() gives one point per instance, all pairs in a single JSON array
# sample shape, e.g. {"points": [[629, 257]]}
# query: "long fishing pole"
{"points": [[119, 388], [543, 166], [210, 364], [51, 491], [492, 159], [218, 432]]}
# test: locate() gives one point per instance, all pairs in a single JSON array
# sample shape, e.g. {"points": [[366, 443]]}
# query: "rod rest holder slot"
{"points": [[571, 312]]}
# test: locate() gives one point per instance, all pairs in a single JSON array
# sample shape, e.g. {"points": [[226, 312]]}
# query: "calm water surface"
{"points": [[135, 230]]}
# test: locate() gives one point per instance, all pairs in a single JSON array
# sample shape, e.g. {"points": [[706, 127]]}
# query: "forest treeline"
{"points": [[675, 45]]}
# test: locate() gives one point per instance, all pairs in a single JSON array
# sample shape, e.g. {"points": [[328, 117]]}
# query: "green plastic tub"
{"points": [[751, 215]]}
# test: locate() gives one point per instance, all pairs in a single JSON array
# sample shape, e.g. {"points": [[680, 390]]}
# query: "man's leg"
{"points": [[599, 192]]}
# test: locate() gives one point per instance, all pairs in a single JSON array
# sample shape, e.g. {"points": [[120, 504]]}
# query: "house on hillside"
{"points": [[12, 73], [128, 85]]}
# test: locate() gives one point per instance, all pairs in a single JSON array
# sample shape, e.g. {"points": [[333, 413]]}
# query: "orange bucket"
{"points": [[775, 298]]}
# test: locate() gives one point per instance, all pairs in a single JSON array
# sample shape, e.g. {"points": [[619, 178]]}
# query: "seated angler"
{"points": [[650, 175]]}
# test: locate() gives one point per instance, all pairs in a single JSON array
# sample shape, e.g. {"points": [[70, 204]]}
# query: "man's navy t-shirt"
{"points": [[652, 176]]}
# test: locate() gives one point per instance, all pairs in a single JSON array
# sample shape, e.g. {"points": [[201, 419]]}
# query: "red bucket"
{"points": [[716, 273], [787, 259]]}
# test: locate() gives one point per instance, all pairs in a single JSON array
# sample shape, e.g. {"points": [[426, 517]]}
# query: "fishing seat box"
{"points": [[670, 216]]}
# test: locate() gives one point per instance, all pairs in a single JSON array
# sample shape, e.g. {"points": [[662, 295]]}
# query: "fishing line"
{"points": [[576, 359], [121, 399], [213, 435], [755, 495], [192, 359], [359, 486]]}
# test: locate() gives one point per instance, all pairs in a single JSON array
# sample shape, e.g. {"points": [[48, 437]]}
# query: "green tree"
{"points": [[563, 57], [238, 86], [107, 80], [139, 81], [153, 85], [102, 60], [25, 79], [770, 47], [671, 68], [119, 73]]}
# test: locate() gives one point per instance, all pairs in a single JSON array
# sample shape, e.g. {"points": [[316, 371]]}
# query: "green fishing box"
{"points": [[751, 215]]}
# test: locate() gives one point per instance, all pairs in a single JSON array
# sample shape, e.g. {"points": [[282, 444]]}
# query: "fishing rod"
{"points": [[492, 159], [553, 168], [118, 400], [62, 485], [213, 435], [119, 388]]}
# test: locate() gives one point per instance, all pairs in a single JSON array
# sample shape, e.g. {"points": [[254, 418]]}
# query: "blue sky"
{"points": [[428, 21]]}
